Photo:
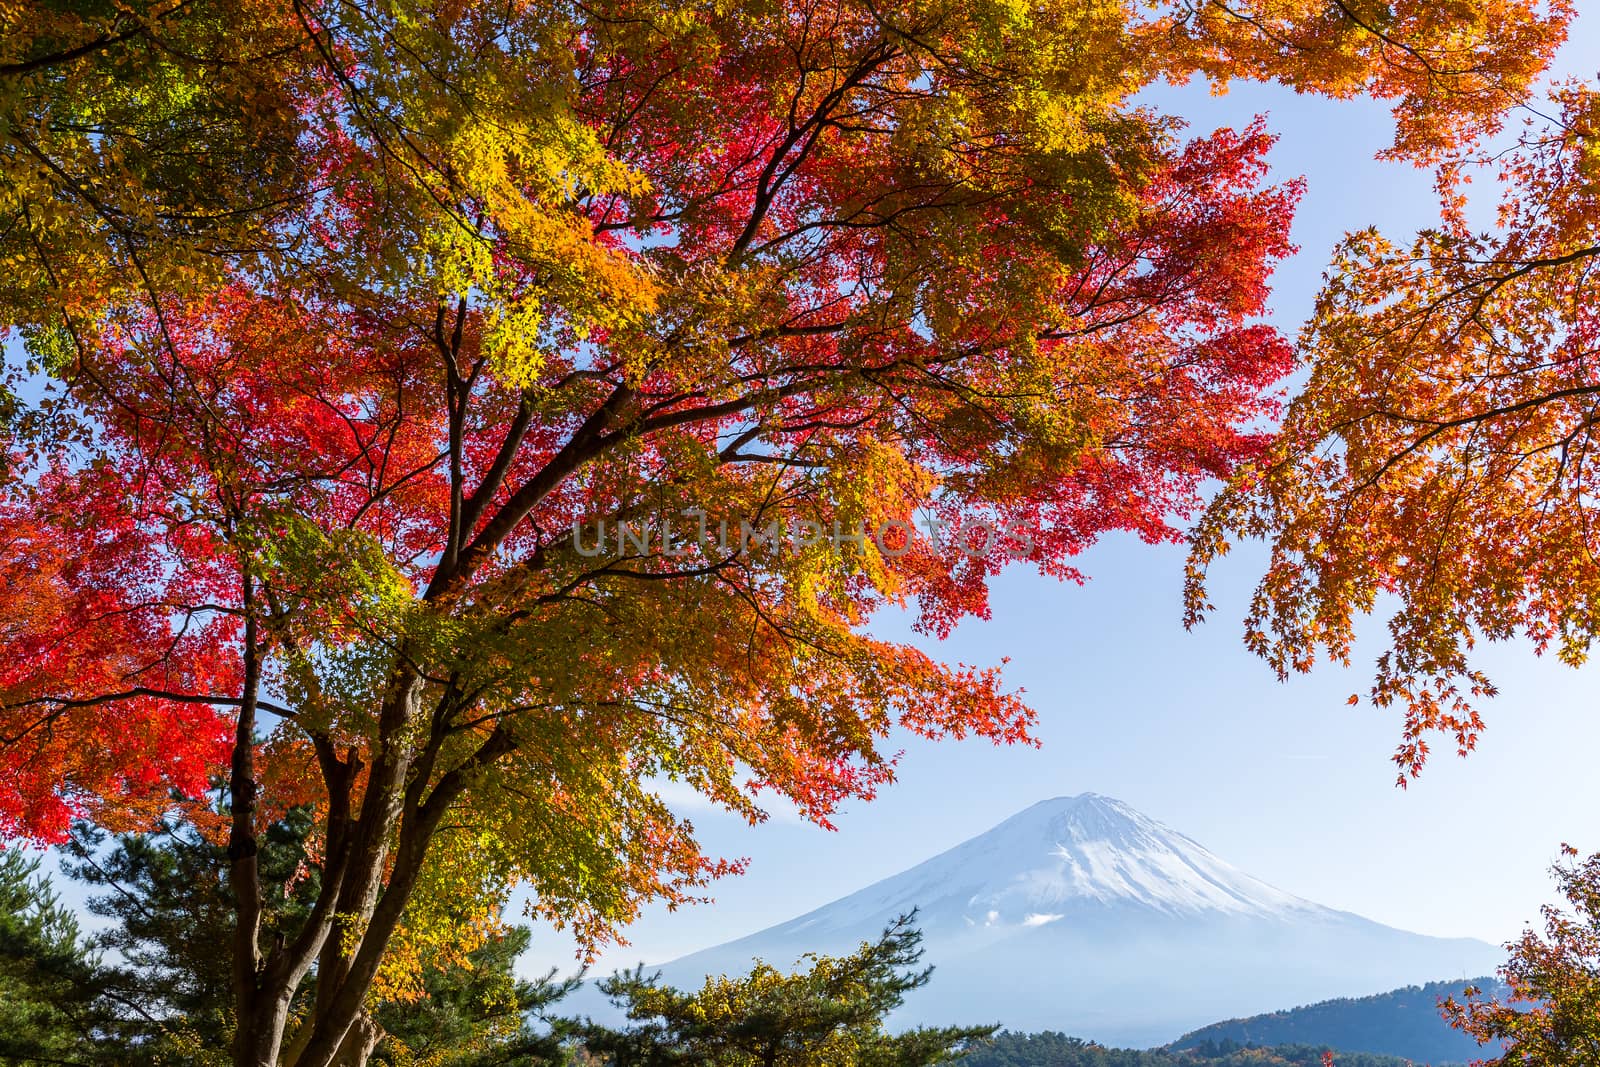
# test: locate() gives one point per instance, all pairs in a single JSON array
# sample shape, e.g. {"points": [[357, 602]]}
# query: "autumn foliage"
{"points": [[1439, 465], [1549, 1016], [345, 324]]}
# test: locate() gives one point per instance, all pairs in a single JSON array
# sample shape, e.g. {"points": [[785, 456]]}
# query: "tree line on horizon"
{"points": [[1050, 1049], [331, 326]]}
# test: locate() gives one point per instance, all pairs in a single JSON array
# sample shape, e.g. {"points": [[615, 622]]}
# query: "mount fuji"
{"points": [[1082, 915]]}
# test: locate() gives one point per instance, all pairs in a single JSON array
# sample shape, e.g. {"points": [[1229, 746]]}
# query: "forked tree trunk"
{"points": [[364, 894], [359, 1043]]}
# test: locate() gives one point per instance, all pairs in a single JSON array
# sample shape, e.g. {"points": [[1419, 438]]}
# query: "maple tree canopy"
{"points": [[351, 330], [1439, 464]]}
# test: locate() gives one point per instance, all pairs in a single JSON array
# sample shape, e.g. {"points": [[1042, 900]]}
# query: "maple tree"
{"points": [[143, 145], [327, 489], [1549, 1019], [1440, 460]]}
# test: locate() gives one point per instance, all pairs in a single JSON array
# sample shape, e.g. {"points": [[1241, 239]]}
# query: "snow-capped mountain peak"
{"points": [[1080, 913], [1093, 848], [1062, 856]]}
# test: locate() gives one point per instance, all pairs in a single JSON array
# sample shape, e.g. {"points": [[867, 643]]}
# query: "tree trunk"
{"points": [[338, 1026], [359, 1043], [396, 807], [258, 1027], [257, 1039]]}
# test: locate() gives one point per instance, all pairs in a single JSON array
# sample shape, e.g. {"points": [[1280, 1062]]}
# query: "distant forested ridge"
{"points": [[1058, 1050], [1404, 1022]]}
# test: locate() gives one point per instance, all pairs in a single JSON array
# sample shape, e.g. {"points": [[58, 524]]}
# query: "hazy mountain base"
{"points": [[1057, 1050], [1128, 977], [1403, 1022]]}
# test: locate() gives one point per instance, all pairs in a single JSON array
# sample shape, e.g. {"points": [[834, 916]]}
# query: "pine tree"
{"points": [[166, 895], [830, 1013], [50, 1004]]}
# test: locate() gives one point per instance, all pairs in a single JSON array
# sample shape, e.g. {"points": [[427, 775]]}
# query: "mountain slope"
{"points": [[1403, 1022], [1080, 914]]}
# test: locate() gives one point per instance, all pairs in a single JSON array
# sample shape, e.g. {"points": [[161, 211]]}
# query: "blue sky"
{"points": [[1283, 780]]}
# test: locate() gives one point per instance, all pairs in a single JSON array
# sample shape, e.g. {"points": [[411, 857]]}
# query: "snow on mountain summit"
{"points": [[1094, 848], [1058, 857]]}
